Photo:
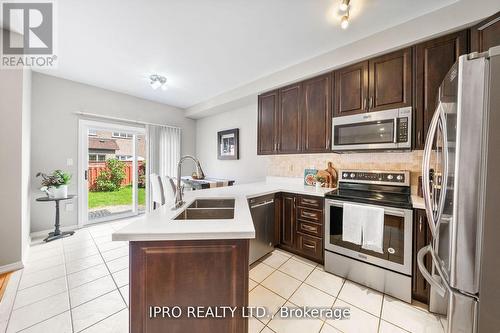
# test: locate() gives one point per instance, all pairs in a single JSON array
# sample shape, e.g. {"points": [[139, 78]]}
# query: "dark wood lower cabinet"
{"points": [[188, 273], [287, 221], [300, 226], [421, 237]]}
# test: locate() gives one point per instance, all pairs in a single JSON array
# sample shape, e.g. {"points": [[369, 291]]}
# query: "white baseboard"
{"points": [[11, 267], [44, 233]]}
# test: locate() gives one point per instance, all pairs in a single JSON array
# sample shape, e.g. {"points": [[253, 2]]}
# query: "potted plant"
{"points": [[319, 181], [55, 184]]}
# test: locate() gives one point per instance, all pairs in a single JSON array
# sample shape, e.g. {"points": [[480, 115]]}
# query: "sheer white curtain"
{"points": [[163, 153]]}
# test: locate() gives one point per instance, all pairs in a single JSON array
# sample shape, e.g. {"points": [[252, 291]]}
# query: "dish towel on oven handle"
{"points": [[373, 230], [363, 225], [352, 223]]}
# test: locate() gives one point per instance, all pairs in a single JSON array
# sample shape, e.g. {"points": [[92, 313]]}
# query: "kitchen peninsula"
{"points": [[182, 260]]}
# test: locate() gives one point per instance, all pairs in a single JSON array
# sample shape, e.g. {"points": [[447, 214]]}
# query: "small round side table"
{"points": [[57, 233]]}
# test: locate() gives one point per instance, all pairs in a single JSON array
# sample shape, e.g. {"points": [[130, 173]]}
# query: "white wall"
{"points": [[26, 162], [55, 132], [249, 167], [14, 166]]}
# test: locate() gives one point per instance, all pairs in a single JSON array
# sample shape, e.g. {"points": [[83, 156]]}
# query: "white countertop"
{"points": [[160, 224], [418, 202]]}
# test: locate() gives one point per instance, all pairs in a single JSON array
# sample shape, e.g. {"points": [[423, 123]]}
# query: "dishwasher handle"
{"points": [[263, 203]]}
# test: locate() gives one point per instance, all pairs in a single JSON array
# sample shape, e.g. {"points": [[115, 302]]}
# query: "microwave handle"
{"points": [[395, 139]]}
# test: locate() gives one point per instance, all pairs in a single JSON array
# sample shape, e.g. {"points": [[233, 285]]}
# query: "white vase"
{"points": [[318, 185], [60, 192]]}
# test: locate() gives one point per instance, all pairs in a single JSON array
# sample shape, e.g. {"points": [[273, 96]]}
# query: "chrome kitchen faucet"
{"points": [[178, 189]]}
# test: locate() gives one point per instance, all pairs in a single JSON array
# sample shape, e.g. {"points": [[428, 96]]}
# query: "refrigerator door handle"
{"points": [[426, 168], [440, 289], [444, 177]]}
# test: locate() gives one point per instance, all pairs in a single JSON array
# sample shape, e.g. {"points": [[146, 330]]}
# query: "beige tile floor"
{"points": [[80, 284]]}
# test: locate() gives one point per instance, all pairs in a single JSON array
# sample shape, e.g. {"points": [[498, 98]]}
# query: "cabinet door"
{"points": [[434, 59], [351, 90], [289, 121], [287, 230], [390, 81], [317, 115], [267, 123], [421, 238], [486, 34]]}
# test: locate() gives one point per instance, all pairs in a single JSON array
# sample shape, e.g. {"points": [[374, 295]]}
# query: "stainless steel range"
{"points": [[384, 200]]}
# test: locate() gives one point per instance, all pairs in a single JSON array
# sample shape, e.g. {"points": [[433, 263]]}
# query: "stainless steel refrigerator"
{"points": [[461, 185]]}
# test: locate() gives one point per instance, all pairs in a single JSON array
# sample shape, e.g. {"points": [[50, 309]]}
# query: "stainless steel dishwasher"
{"points": [[262, 210]]}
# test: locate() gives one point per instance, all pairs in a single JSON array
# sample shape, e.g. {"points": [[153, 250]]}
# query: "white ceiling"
{"points": [[207, 47]]}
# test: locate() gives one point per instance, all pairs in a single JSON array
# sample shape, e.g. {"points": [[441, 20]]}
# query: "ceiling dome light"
{"points": [[157, 81], [344, 21], [344, 5]]}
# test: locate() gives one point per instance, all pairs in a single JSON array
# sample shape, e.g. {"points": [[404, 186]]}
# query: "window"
{"points": [[97, 157], [124, 157], [122, 135], [92, 132]]}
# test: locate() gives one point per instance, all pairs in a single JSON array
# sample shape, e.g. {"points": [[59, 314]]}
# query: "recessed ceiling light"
{"points": [[344, 5], [157, 81]]}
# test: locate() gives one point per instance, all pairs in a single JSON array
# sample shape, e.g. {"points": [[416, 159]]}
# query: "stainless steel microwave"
{"points": [[381, 130]]}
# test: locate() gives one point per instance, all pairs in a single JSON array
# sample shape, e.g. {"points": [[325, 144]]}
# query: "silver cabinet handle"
{"points": [[370, 106], [262, 204], [420, 223], [308, 214], [308, 227], [364, 104], [309, 246], [419, 137], [309, 201]]}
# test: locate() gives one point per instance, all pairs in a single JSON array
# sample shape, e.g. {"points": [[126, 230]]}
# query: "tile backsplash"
{"points": [[294, 165]]}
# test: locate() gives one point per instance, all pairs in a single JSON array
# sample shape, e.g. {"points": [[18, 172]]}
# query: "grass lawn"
{"points": [[120, 197]]}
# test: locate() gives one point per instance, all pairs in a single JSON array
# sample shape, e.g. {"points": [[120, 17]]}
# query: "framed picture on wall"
{"points": [[228, 144]]}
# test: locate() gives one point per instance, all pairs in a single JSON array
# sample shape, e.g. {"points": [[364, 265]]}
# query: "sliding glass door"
{"points": [[112, 162]]}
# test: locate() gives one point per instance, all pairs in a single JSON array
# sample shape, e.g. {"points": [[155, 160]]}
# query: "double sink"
{"points": [[208, 209]]}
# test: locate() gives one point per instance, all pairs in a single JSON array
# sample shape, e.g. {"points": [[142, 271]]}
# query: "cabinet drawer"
{"points": [[309, 245], [310, 228], [311, 202], [310, 215]]}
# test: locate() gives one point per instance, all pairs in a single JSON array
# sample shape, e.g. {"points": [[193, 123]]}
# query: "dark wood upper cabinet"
{"points": [[351, 89], [485, 34], [267, 123], [290, 119], [390, 81], [433, 60], [421, 237], [316, 113]]}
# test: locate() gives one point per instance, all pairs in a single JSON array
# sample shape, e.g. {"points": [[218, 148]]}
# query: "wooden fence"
{"points": [[95, 169]]}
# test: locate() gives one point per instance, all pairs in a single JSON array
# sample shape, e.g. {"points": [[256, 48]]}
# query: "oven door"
{"points": [[397, 238], [385, 130]]}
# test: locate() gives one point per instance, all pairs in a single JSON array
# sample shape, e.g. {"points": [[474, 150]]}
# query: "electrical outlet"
{"points": [[69, 207], [69, 162]]}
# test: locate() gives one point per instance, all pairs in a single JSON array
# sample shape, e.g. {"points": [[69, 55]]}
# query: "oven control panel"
{"points": [[376, 177]]}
